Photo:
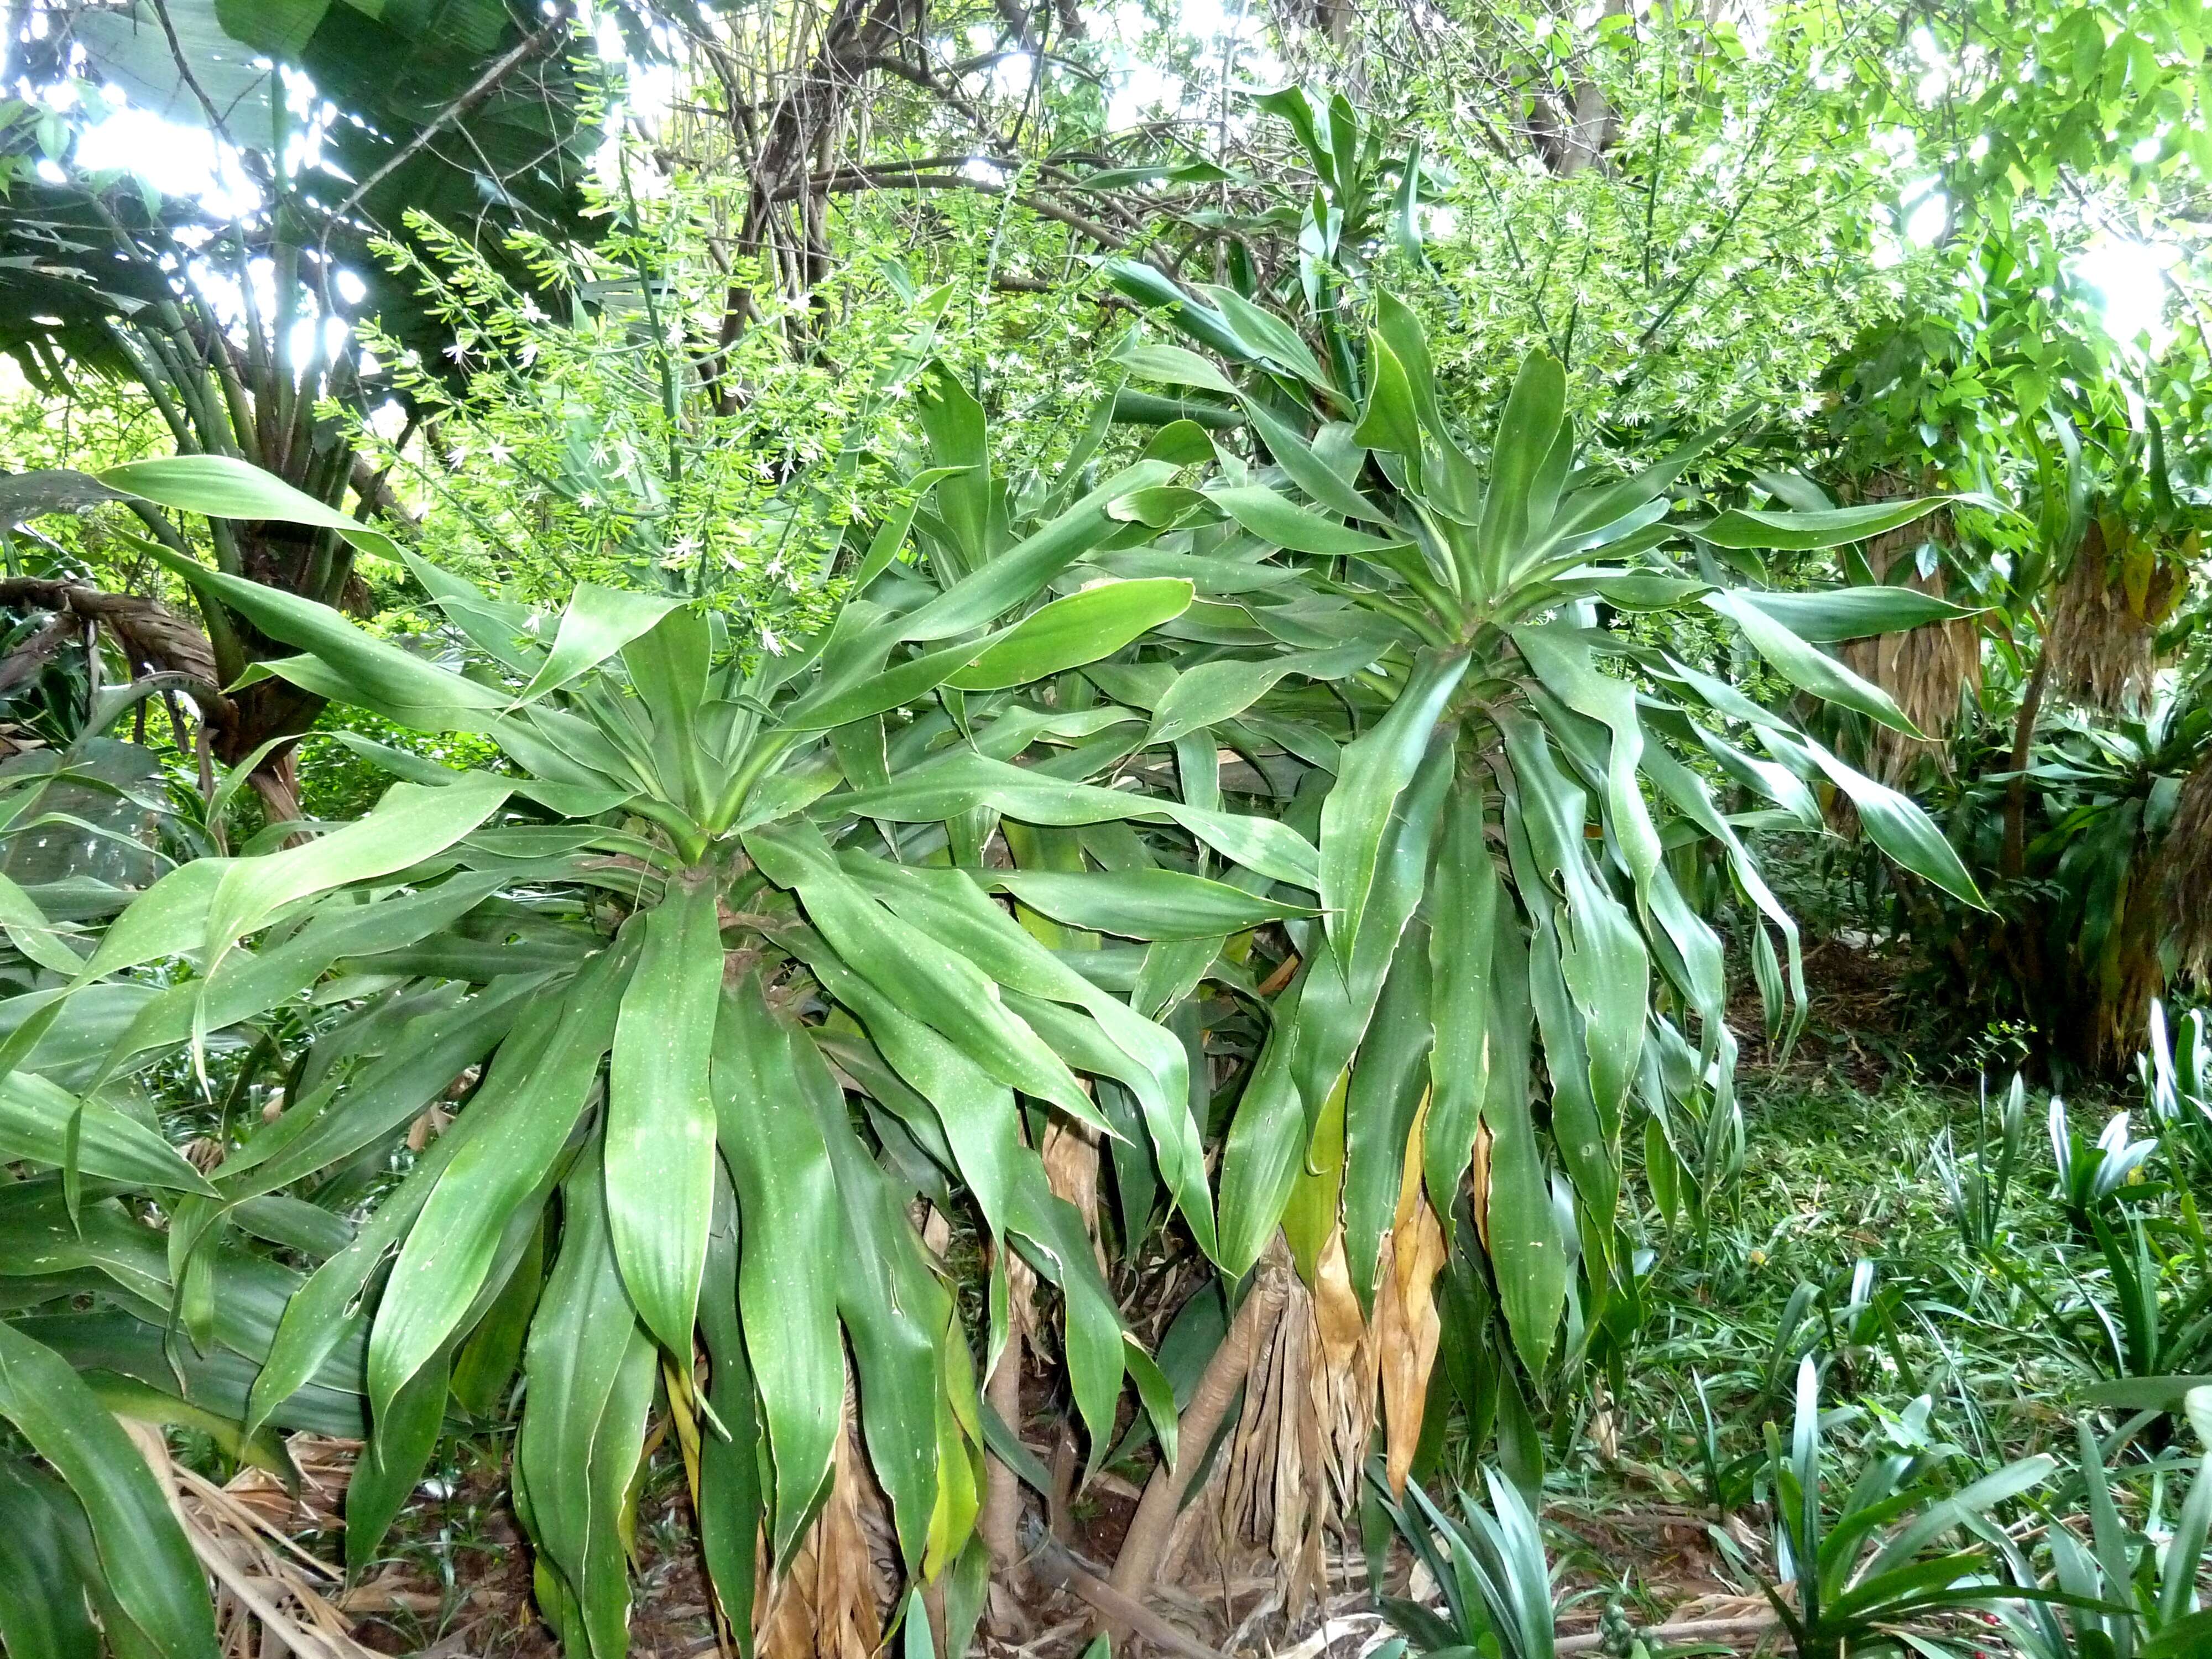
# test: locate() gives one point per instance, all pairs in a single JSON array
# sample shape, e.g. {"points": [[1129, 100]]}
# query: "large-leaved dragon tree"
{"points": [[1482, 682], [710, 977]]}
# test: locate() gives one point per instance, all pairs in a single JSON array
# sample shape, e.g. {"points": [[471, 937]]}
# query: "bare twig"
{"points": [[1748, 1631], [479, 94]]}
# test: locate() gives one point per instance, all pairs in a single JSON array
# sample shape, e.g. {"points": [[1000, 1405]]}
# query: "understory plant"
{"points": [[2123, 1593], [1890, 1565]]}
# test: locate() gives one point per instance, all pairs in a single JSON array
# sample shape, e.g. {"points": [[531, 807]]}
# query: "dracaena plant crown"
{"points": [[1508, 787], [709, 896]]}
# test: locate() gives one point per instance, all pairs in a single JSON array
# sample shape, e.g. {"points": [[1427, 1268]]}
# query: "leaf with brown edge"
{"points": [[1406, 1327]]}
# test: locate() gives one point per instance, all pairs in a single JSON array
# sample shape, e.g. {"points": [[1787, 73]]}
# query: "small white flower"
{"points": [[770, 643]]}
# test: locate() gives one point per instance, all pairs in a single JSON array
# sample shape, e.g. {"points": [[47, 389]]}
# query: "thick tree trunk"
{"points": [[277, 781], [1218, 1388]]}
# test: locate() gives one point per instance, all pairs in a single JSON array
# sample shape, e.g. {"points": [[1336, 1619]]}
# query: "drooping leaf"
{"points": [[589, 1376], [1376, 767], [660, 1112], [148, 1564], [788, 1266]]}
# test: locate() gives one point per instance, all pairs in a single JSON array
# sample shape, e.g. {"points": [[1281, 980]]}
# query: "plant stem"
{"points": [[2013, 863], [1201, 1419]]}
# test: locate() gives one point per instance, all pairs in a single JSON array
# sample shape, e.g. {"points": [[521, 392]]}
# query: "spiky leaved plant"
{"points": [[708, 975], [1459, 669]]}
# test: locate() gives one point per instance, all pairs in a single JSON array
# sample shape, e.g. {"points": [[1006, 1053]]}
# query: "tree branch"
{"points": [[478, 95]]}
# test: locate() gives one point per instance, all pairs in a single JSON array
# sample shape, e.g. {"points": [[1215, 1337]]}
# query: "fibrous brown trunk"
{"points": [[276, 782], [1201, 1421]]}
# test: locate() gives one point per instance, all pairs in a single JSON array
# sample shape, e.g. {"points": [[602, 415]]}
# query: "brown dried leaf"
{"points": [[1071, 1169], [829, 1605], [1406, 1323], [1479, 1185]]}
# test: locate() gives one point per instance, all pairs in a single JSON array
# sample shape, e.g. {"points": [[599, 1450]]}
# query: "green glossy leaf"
{"points": [[42, 1123], [1387, 1086], [410, 824], [224, 487], [43, 1612], [1321, 482], [369, 672], [1085, 626], [1267, 1139], [1520, 1226], [1467, 908], [521, 1117], [1853, 613], [961, 780], [1810, 531], [660, 1112], [1390, 422], [729, 1463], [1806, 668], [1376, 767], [914, 969], [1267, 335], [1532, 424], [484, 1366], [588, 1385], [1175, 366], [151, 1573], [1900, 829], [792, 1242], [1211, 692], [596, 622], [1022, 571], [1147, 904], [1277, 520], [391, 1465]]}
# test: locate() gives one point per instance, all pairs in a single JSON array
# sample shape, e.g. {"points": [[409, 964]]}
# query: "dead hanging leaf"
{"points": [[2099, 644], [1479, 1185], [2186, 856], [935, 1231], [427, 1128], [268, 1593], [324, 1464], [1071, 1169], [1344, 1380], [1604, 1426], [1406, 1327], [1274, 1496], [829, 1604], [1926, 671], [1336, 1308]]}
